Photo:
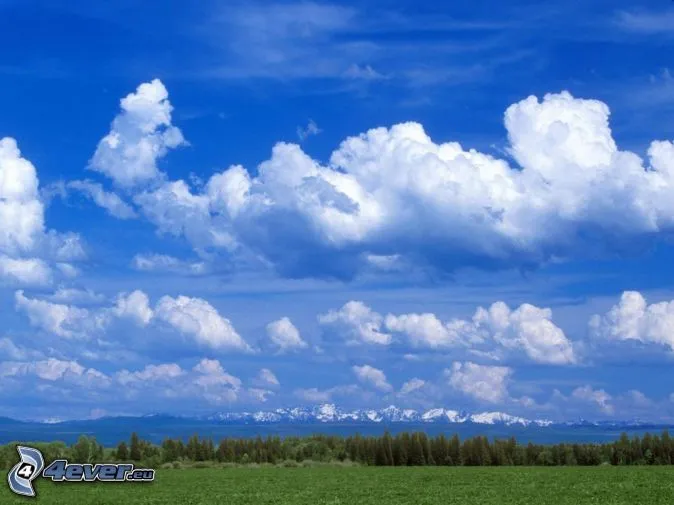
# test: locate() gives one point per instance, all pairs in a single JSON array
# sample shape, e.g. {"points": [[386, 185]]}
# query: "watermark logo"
{"points": [[20, 478]]}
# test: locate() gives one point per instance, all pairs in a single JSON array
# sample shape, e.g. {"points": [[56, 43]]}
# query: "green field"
{"points": [[370, 485]]}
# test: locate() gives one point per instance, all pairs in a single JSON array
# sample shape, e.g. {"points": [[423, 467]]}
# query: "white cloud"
{"points": [[412, 385], [424, 330], [25, 245], [391, 192], [356, 322], [199, 319], [311, 129], [372, 376], [135, 306], [314, 395], [51, 369], [633, 319], [75, 295], [151, 373], [597, 397], [285, 335], [58, 319], [30, 271], [111, 202], [140, 135], [164, 263], [482, 382], [9, 350], [216, 385], [68, 270], [21, 212], [529, 329], [266, 378], [491, 332]]}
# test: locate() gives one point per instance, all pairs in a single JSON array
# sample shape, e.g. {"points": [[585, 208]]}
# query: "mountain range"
{"points": [[327, 419], [330, 413]]}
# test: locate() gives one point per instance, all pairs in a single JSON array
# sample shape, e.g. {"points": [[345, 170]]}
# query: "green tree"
{"points": [[135, 453]]}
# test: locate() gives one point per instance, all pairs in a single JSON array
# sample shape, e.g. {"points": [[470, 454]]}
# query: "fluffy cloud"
{"points": [[528, 329], [633, 319], [139, 136], [31, 271], [394, 192], [56, 382], [372, 376], [482, 382], [266, 378], [193, 317], [412, 385], [59, 319], [199, 319], [25, 245], [164, 263], [426, 330], [496, 331], [151, 373], [135, 306], [21, 212], [284, 335], [597, 397], [356, 322], [111, 202], [50, 370]]}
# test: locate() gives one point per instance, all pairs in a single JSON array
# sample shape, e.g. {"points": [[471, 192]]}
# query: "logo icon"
{"points": [[20, 477], [32, 465]]}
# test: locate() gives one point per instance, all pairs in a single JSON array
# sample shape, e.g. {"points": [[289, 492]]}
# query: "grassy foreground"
{"points": [[372, 485]]}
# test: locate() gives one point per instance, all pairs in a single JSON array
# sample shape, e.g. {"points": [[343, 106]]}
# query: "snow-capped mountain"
{"points": [[330, 413]]}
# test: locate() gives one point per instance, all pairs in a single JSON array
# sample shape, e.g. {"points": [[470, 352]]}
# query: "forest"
{"points": [[404, 449]]}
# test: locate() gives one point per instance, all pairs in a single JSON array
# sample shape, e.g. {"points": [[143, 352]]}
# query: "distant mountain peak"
{"points": [[331, 413]]}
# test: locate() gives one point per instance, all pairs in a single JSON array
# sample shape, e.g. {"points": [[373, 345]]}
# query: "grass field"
{"points": [[370, 485]]}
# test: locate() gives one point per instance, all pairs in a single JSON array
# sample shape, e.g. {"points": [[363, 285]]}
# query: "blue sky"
{"points": [[257, 205]]}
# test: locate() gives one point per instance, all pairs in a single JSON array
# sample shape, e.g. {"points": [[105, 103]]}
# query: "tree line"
{"points": [[404, 449]]}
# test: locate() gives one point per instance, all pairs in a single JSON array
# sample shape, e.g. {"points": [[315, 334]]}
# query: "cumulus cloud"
{"points": [[26, 246], [482, 382], [199, 319], [633, 319], [372, 376], [140, 135], [356, 322], [496, 331], [597, 397], [57, 382], [51, 369], [135, 306], [165, 263], [193, 317], [425, 330], [151, 373], [412, 385], [75, 295], [216, 385], [284, 335], [529, 329], [314, 395], [266, 378], [111, 202], [65, 321], [394, 192], [31, 271]]}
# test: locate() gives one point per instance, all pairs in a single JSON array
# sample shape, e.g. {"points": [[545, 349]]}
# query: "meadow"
{"points": [[334, 485]]}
